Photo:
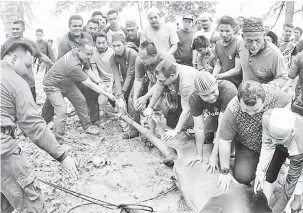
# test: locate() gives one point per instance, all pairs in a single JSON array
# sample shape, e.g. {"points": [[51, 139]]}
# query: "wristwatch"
{"points": [[224, 171]]}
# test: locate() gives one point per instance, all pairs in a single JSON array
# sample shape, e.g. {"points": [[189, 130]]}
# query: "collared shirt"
{"points": [[18, 106], [29, 77], [163, 38], [46, 50], [106, 64], [247, 129], [65, 72], [126, 64], [68, 42], [266, 67]]}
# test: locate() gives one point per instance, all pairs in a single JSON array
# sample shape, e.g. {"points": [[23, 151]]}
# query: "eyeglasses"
{"points": [[162, 82]]}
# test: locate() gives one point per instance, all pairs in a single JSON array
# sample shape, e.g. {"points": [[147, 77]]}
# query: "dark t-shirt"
{"points": [[65, 72], [227, 91], [227, 55], [184, 52]]}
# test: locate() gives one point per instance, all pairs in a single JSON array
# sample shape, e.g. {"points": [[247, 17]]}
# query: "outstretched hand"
{"points": [[69, 168], [197, 159]]}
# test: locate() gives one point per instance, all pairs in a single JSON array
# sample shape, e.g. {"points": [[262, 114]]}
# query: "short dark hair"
{"points": [[50, 40], [250, 91], [39, 30], [227, 20], [166, 68], [93, 20], [18, 45], [299, 29], [97, 13], [112, 12], [74, 17], [19, 22], [149, 46], [200, 41], [273, 36], [288, 25], [101, 34]]}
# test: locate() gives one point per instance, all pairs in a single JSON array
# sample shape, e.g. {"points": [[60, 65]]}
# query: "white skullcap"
{"points": [[154, 10], [281, 122]]}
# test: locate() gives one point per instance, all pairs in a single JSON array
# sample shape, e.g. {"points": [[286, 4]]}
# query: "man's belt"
{"points": [[8, 130]]}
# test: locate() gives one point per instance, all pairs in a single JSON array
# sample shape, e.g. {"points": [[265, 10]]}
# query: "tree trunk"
{"points": [[289, 12], [138, 5], [10, 14]]}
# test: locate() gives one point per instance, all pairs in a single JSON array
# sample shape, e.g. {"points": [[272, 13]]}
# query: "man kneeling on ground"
{"points": [[180, 79], [242, 122], [282, 127], [207, 105]]}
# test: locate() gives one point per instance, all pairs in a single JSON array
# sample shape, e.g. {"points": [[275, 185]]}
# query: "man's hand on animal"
{"points": [[213, 163], [141, 103], [259, 183], [69, 167], [197, 159], [148, 112], [170, 134], [225, 180], [121, 103]]}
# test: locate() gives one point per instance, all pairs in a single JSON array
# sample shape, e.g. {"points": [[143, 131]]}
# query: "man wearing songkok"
{"points": [[133, 36], [180, 79], [260, 60], [242, 123], [207, 105], [282, 127], [164, 36]]}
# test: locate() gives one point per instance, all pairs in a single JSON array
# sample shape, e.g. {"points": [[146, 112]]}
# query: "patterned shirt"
{"points": [[247, 129]]}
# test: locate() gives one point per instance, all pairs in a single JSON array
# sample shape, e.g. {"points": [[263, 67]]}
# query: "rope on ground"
{"points": [[102, 203]]}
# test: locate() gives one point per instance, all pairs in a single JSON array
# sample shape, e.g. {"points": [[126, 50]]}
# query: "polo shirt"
{"points": [[247, 129], [184, 52], [227, 91], [227, 54], [149, 70], [65, 72], [29, 77], [267, 66], [68, 42], [164, 37], [18, 106], [127, 63], [45, 49], [106, 64]]}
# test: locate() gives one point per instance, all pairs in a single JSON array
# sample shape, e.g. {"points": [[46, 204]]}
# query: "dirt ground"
{"points": [[135, 172]]}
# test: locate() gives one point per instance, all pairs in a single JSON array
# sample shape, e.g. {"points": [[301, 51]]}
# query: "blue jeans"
{"points": [[56, 98]]}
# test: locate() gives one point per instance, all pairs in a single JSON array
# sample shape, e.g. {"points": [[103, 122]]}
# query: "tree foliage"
{"points": [[169, 9]]}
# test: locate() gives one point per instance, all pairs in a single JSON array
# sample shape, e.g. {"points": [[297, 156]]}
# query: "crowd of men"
{"points": [[232, 85]]}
